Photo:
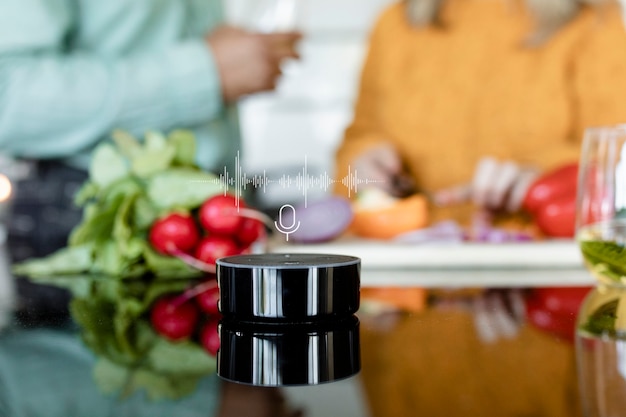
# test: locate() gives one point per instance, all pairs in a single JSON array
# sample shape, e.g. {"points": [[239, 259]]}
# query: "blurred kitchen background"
{"points": [[312, 105], [304, 118], [307, 114]]}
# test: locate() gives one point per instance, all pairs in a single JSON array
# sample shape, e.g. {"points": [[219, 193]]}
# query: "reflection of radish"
{"points": [[175, 230], [219, 215], [172, 320], [212, 248], [210, 338], [207, 300]]}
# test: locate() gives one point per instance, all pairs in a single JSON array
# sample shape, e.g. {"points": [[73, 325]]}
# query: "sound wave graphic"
{"points": [[238, 182]]}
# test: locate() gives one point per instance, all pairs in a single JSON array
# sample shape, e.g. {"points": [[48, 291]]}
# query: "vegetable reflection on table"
{"points": [[114, 320], [48, 373], [436, 363]]}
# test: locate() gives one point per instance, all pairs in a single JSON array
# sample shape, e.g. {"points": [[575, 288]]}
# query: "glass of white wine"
{"points": [[601, 234]]}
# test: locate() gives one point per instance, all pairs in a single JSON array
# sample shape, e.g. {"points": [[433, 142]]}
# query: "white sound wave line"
{"points": [[240, 181]]}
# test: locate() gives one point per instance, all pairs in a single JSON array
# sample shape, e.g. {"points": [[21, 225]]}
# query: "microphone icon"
{"points": [[287, 230]]}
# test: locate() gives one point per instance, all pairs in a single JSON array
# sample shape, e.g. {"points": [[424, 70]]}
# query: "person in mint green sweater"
{"points": [[71, 71]]}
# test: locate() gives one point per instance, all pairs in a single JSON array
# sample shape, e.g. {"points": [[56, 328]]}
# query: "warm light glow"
{"points": [[5, 188]]}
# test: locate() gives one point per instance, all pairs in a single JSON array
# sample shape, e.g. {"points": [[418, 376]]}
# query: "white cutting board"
{"points": [[386, 263]]}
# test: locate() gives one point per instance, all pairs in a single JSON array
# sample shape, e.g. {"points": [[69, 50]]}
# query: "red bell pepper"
{"points": [[551, 199], [557, 218]]}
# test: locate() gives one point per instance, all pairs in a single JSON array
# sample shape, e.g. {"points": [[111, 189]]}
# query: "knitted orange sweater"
{"points": [[448, 96]]}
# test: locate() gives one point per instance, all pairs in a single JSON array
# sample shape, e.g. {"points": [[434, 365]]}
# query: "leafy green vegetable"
{"points": [[607, 258], [168, 267], [130, 185], [144, 213], [160, 387], [161, 287], [153, 161], [67, 261], [155, 141], [110, 260], [97, 223], [180, 358], [86, 192], [122, 227], [181, 188], [126, 143], [185, 145], [109, 376], [108, 165], [602, 321], [114, 274], [97, 320], [124, 322], [131, 356]]}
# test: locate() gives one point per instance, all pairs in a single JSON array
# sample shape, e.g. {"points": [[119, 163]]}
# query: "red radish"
{"points": [[249, 232], [212, 248], [175, 231], [219, 215], [207, 300], [172, 320], [210, 337]]}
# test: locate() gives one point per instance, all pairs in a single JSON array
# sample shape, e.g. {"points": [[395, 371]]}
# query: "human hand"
{"points": [[249, 62], [496, 185], [382, 167], [497, 313]]}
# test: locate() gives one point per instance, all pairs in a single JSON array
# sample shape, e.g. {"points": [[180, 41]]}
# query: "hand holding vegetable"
{"points": [[383, 168], [496, 185], [550, 197]]}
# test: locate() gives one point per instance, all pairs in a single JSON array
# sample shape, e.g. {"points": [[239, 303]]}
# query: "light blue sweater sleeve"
{"points": [[56, 103]]}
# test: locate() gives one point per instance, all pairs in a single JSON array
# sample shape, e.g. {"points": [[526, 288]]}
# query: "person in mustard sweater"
{"points": [[478, 97], [460, 90]]}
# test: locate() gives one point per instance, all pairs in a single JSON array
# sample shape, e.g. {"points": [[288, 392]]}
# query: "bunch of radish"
{"points": [[218, 229]]}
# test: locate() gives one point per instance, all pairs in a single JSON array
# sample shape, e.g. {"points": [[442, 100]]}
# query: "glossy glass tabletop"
{"points": [[466, 353]]}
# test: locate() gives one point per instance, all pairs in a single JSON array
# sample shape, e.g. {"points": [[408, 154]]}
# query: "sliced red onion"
{"points": [[443, 232], [451, 232], [498, 235], [320, 221], [482, 230]]}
